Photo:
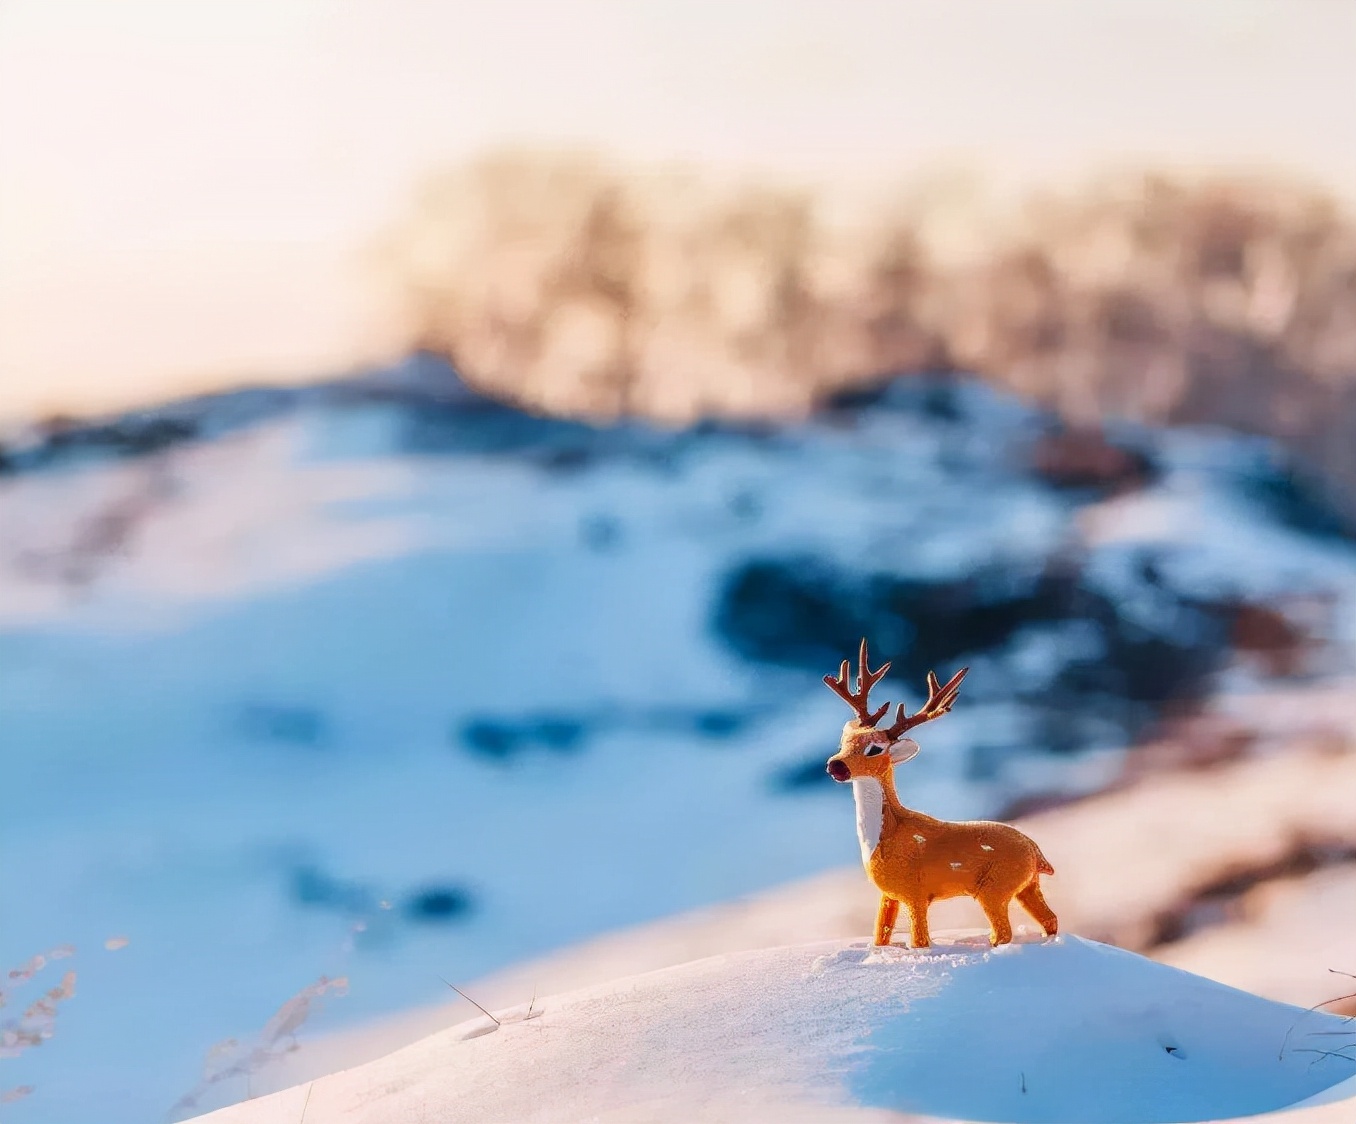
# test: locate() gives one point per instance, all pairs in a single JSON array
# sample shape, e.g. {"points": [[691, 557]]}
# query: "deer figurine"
{"points": [[914, 859]]}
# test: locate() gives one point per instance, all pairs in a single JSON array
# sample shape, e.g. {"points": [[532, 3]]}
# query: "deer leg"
{"points": [[885, 919], [1000, 928], [1033, 901], [918, 923]]}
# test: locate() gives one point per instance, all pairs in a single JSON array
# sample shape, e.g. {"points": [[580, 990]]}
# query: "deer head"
{"points": [[866, 750]]}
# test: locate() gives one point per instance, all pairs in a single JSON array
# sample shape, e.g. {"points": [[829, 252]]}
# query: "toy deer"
{"points": [[914, 859]]}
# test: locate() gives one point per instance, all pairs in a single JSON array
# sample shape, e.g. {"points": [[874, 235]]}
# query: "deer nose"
{"points": [[838, 770]]}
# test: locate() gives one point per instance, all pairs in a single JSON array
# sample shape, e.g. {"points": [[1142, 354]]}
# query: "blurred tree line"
{"points": [[575, 286]]}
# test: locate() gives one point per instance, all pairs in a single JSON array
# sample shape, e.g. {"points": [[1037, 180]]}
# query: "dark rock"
{"points": [[1149, 669], [314, 888], [755, 430], [1032, 803], [712, 724], [421, 377], [808, 612], [130, 435], [745, 506], [487, 427], [600, 533], [1279, 644], [502, 739], [806, 776], [1220, 898], [439, 904], [791, 611], [293, 725], [143, 432], [720, 723], [1287, 494], [568, 458], [1197, 741], [1087, 460], [855, 399], [557, 733], [935, 396], [488, 738]]}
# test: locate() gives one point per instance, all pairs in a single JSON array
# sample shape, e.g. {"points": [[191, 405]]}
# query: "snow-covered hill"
{"points": [[385, 682], [1244, 872], [1066, 1032]]}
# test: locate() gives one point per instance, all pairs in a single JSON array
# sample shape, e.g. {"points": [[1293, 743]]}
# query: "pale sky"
{"points": [[187, 186]]}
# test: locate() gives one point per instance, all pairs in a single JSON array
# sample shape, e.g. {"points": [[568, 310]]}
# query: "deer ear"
{"points": [[906, 749]]}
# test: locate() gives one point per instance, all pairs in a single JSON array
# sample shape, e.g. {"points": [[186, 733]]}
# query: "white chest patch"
{"points": [[870, 800]]}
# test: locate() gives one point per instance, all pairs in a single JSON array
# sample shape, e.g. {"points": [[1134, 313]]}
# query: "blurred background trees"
{"points": [[574, 285]]}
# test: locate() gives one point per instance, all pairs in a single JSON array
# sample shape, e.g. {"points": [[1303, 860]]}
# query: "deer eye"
{"points": [[874, 750]]}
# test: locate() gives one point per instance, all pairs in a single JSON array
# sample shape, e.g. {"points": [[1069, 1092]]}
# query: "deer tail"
{"points": [[1043, 864]]}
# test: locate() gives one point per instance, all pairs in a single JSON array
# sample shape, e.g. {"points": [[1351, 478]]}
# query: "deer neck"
{"points": [[878, 811]]}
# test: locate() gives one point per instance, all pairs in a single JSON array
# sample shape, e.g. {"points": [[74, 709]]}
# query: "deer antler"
{"points": [[866, 679], [940, 700]]}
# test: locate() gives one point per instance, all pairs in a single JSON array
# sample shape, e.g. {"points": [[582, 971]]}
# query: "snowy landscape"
{"points": [[316, 701]]}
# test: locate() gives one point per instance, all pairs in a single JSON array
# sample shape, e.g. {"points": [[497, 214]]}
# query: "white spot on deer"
{"points": [[985, 847], [957, 866], [920, 839], [870, 800]]}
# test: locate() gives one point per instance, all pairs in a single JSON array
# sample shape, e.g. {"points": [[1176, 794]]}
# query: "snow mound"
{"points": [[1041, 1032]]}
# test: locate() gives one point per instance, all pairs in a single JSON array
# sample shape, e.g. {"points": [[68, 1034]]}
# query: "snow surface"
{"points": [[234, 733], [1279, 941], [1048, 1032]]}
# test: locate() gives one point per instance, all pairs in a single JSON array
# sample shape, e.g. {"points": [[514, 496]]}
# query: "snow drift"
{"points": [[1067, 1031]]}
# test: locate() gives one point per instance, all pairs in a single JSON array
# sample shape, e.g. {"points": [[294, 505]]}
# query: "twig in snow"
{"points": [[1325, 1054], [306, 1103], [1339, 999]]}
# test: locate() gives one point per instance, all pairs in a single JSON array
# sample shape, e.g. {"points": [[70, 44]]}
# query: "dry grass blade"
{"points": [[471, 1001], [236, 1059]]}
